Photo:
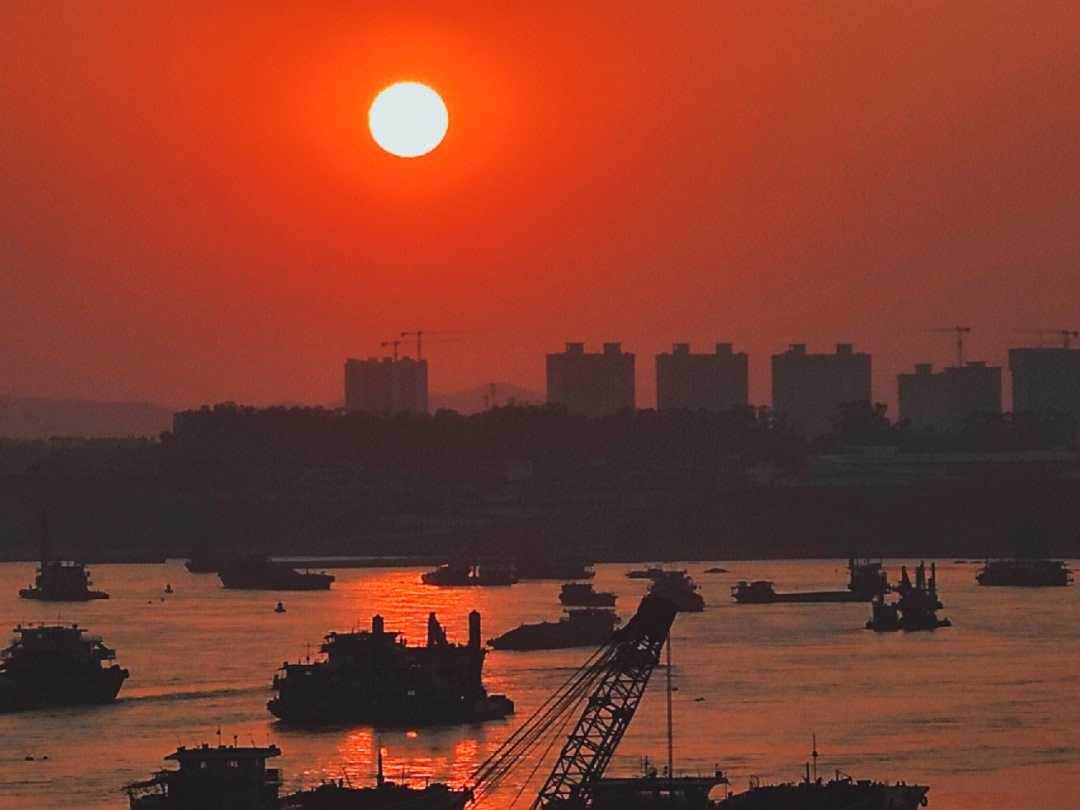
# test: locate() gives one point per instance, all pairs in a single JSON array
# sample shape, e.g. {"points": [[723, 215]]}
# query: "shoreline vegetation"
{"points": [[642, 485]]}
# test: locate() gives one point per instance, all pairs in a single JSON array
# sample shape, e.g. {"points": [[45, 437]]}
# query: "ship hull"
{"points": [[45, 596], [384, 797], [329, 708], [596, 600], [551, 636], [42, 693], [828, 796], [294, 581], [799, 597]]}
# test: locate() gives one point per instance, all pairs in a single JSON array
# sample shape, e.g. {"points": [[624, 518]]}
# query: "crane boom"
{"points": [[608, 712], [1065, 334]]}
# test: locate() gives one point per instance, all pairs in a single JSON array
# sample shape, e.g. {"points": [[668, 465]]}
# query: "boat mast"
{"points": [[670, 745]]}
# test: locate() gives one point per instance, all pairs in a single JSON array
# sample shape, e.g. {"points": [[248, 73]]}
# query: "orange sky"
{"points": [[193, 209]]}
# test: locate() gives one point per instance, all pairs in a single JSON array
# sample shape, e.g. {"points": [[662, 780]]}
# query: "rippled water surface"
{"points": [[986, 712]]}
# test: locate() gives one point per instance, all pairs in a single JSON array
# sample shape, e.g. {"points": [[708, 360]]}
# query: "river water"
{"points": [[985, 712]]}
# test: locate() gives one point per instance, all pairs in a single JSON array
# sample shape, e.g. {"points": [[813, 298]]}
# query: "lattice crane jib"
{"points": [[592, 743]]}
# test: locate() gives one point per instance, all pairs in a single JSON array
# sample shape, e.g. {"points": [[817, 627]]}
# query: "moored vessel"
{"points": [[581, 627], [1025, 573], [385, 795], [263, 574], [866, 580], [552, 566], [582, 594], [48, 666], [374, 677], [454, 575], [60, 580], [652, 791], [915, 607], [679, 588], [204, 562], [840, 793], [652, 572], [225, 777]]}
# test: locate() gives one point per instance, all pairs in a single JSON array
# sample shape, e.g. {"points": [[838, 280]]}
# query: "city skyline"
{"points": [[196, 212]]}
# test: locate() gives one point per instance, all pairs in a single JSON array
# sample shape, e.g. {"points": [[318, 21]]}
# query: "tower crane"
{"points": [[960, 332], [1065, 334], [417, 335], [394, 343]]}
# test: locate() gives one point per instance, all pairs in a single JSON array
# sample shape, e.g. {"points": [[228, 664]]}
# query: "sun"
{"points": [[408, 119]]}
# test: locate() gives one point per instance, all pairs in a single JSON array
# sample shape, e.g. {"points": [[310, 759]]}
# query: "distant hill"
{"points": [[483, 397], [27, 418]]}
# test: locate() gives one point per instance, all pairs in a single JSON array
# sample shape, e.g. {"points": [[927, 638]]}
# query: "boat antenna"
{"points": [[219, 736], [670, 743], [814, 754], [379, 773]]}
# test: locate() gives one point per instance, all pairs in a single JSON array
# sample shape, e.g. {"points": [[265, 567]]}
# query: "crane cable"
{"points": [[552, 713]]}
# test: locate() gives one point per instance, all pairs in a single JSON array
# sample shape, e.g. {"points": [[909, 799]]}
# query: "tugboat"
{"points": [[227, 777], [866, 580], [1025, 573], [582, 627], [56, 665], [385, 795], [60, 580], [582, 594], [373, 677], [915, 608], [262, 574], [678, 587], [453, 575]]}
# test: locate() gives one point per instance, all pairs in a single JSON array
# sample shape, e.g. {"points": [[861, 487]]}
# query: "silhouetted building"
{"points": [[592, 384], [1046, 378], [711, 382], [808, 389], [386, 385], [945, 400]]}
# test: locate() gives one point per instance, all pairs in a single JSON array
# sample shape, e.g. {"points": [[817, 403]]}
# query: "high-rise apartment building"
{"points": [[808, 389], [386, 386], [591, 383], [711, 382], [1046, 378], [945, 400]]}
